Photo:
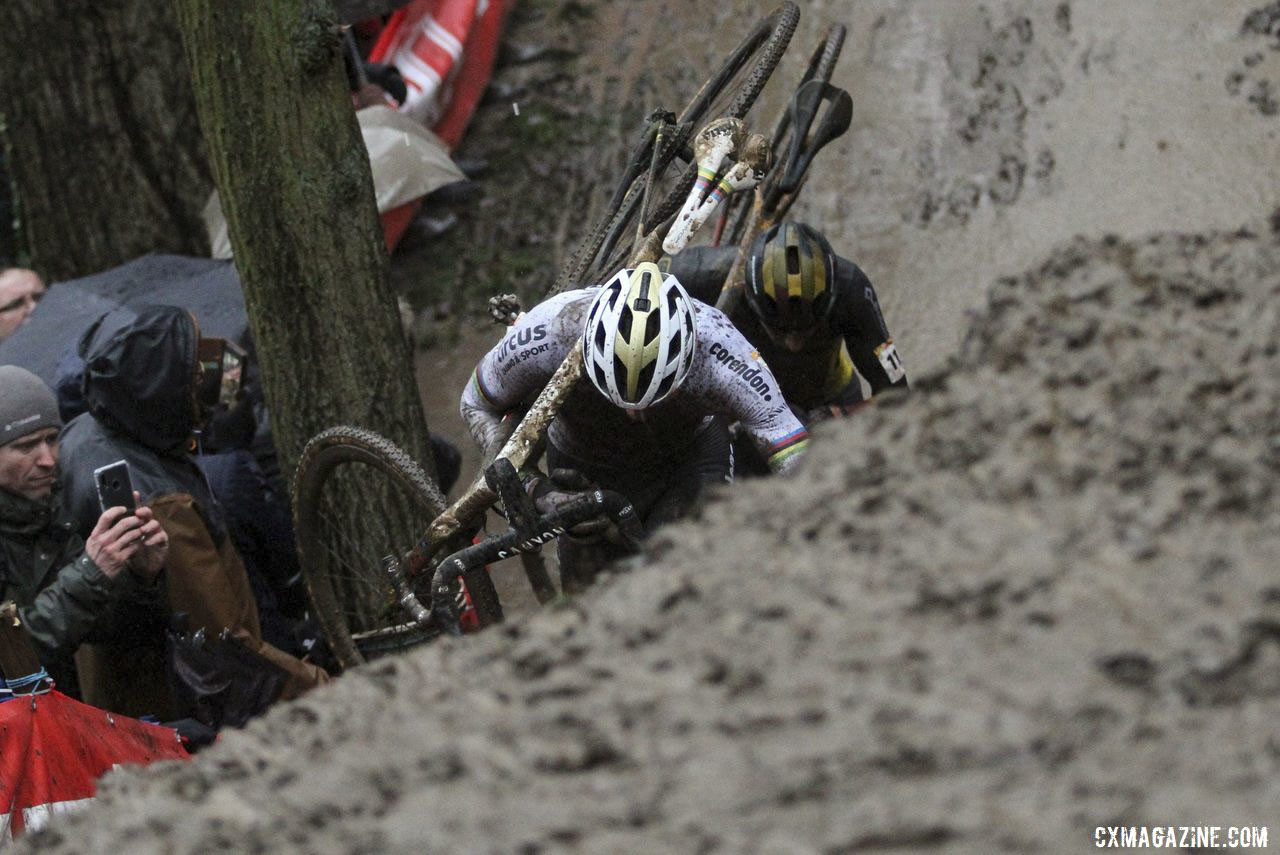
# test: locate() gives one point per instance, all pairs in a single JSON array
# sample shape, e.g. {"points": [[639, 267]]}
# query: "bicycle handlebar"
{"points": [[504, 545]]}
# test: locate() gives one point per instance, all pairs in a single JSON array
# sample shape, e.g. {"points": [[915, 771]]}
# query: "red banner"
{"points": [[53, 749], [444, 50]]}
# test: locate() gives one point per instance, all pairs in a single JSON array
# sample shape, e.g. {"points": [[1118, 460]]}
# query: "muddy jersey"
{"points": [[726, 377], [822, 372]]}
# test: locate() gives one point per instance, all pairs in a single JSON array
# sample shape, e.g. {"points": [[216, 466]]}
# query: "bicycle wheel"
{"points": [[360, 498], [729, 92], [822, 63]]}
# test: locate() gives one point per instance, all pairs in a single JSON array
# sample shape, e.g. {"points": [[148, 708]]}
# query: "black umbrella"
{"points": [[209, 288]]}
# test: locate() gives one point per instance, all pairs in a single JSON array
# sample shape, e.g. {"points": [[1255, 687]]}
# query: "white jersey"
{"points": [[727, 378]]}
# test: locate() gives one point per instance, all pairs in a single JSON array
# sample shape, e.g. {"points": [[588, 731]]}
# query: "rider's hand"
{"points": [[551, 494]]}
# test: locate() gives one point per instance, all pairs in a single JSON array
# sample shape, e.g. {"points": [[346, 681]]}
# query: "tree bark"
{"points": [[102, 143], [295, 184]]}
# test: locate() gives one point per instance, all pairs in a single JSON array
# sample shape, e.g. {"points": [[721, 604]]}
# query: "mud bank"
{"points": [[1035, 596]]}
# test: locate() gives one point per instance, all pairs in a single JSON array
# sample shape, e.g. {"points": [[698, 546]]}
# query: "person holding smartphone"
{"points": [[62, 584], [150, 382]]}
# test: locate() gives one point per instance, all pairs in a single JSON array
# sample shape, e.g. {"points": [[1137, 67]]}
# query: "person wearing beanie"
{"points": [[64, 586]]}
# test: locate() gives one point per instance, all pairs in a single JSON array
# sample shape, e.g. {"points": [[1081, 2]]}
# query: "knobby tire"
{"points": [[351, 597], [609, 243]]}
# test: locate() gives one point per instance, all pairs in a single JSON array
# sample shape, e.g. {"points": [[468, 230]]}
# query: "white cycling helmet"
{"points": [[639, 339]]}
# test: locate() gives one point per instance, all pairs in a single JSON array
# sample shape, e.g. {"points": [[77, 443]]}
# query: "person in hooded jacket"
{"points": [[142, 374]]}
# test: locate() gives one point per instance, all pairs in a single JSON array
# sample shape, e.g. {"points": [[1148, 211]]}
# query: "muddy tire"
{"points": [[731, 91], [342, 473]]}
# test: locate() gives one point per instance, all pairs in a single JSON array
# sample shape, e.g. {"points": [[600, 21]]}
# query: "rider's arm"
{"points": [[729, 376], [857, 318], [521, 363]]}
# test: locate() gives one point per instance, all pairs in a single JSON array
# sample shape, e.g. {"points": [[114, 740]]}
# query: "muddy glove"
{"points": [[551, 494]]}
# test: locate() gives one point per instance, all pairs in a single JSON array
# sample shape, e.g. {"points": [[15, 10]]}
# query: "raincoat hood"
{"points": [[139, 375]]}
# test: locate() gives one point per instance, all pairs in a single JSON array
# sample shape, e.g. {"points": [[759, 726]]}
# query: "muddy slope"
{"points": [[1035, 596]]}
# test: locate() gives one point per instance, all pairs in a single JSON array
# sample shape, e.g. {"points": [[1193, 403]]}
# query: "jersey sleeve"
{"points": [[519, 365], [731, 378], [858, 320]]}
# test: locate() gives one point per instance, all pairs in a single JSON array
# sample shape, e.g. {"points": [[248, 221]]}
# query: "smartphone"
{"points": [[115, 488]]}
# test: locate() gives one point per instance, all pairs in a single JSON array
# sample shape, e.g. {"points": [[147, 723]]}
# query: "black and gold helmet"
{"points": [[791, 276]]}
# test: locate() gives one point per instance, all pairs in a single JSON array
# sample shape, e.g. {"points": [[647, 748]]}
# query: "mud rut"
{"points": [[1036, 595]]}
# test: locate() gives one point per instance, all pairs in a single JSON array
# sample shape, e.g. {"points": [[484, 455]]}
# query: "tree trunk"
{"points": [[295, 184], [102, 144]]}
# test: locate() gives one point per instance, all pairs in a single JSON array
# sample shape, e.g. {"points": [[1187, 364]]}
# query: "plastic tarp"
{"points": [[444, 50], [53, 749], [407, 160]]}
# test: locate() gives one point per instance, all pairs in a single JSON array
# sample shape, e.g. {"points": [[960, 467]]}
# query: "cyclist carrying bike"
{"points": [[813, 316], [666, 374]]}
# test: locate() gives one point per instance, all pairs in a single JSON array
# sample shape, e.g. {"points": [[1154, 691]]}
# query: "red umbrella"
{"points": [[52, 750]]}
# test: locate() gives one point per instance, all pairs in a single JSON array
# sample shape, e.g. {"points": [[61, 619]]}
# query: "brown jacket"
{"points": [[209, 584]]}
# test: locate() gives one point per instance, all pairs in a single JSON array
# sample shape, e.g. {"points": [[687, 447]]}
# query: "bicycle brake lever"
{"points": [[804, 110], [613, 505]]}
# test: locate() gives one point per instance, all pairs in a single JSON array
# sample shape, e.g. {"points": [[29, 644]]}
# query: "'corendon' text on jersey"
{"points": [[743, 369]]}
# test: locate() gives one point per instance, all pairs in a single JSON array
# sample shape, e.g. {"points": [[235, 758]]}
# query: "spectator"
{"points": [[20, 291], [238, 457], [142, 379], [62, 585]]}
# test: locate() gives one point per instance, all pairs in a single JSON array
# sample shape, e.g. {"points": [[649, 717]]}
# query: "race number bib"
{"points": [[890, 362]]}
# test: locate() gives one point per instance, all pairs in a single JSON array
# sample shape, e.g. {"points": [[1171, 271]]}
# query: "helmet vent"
{"points": [[646, 377], [652, 326], [643, 305], [620, 379], [793, 260], [601, 381], [665, 386], [600, 337], [624, 323]]}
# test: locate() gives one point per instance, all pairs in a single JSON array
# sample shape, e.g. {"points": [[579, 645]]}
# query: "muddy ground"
{"points": [[1034, 596]]}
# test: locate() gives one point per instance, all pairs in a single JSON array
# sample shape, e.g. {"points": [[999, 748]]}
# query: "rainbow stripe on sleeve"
{"points": [[789, 446], [479, 386]]}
